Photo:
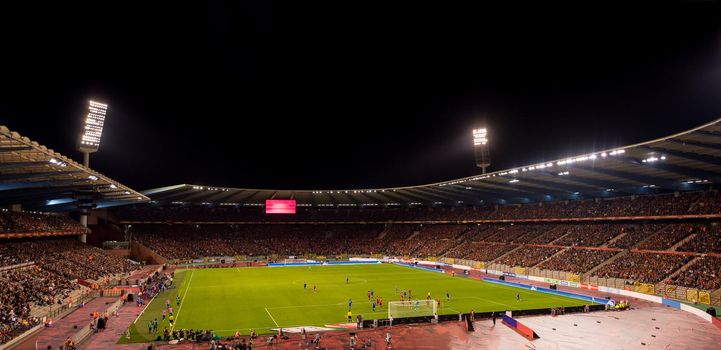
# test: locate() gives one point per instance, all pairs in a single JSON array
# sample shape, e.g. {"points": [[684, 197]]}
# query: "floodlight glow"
{"points": [[480, 136], [93, 130], [513, 181], [93, 177]]}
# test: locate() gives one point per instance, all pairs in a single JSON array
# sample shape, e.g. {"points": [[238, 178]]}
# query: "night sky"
{"points": [[260, 94]]}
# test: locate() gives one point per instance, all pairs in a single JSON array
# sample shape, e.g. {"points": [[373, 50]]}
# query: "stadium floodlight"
{"points": [[480, 147], [93, 129], [89, 143]]}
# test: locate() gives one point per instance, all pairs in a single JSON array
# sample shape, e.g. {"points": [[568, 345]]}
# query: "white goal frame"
{"points": [[412, 308]]}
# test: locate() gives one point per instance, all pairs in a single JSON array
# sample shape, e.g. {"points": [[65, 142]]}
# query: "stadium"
{"points": [[633, 227], [217, 233]]}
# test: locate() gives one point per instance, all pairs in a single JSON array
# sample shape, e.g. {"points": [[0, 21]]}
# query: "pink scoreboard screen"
{"points": [[276, 206]]}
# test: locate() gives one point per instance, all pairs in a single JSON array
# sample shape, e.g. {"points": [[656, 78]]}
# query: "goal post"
{"points": [[412, 308]]}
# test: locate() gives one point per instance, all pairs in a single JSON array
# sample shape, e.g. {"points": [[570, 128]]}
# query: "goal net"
{"points": [[412, 308]]}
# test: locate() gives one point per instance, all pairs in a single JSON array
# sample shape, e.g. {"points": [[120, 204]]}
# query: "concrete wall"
{"points": [[139, 252]]}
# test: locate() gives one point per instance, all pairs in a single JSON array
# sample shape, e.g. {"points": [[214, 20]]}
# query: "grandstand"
{"points": [[641, 220]]}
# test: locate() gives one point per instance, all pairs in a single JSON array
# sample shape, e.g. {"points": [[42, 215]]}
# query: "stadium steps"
{"points": [[383, 233], [609, 260], [559, 238], [680, 270], [614, 239], [551, 257], [510, 252], [413, 235], [683, 241], [651, 236]]}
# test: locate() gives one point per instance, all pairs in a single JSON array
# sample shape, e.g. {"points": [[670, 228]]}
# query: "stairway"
{"points": [[682, 242], [651, 236], [614, 239], [415, 233], [611, 259], [551, 257], [682, 268], [383, 233], [559, 238], [510, 252]]}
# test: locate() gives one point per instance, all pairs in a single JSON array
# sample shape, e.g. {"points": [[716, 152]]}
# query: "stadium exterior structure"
{"points": [[686, 161]]}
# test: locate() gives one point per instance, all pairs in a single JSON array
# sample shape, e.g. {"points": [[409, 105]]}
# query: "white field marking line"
{"points": [[177, 315], [145, 308], [448, 308], [271, 317]]}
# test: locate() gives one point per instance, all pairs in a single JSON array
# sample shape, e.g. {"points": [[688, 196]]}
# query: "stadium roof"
{"points": [[39, 178], [687, 161]]}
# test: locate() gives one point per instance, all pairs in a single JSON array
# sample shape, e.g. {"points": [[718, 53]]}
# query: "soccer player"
{"points": [[314, 289], [170, 311], [518, 297], [374, 306], [417, 305], [170, 319], [402, 300], [350, 304], [150, 326], [448, 296], [167, 303], [372, 293], [177, 300], [347, 279], [305, 286], [428, 297], [410, 293], [163, 315], [369, 295], [350, 316]]}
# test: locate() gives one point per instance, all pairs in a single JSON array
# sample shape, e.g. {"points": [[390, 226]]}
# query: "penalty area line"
{"points": [[271, 317]]}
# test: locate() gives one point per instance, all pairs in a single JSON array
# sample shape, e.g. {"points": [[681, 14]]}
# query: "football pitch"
{"points": [[227, 300]]}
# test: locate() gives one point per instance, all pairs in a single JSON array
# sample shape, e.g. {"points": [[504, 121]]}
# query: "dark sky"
{"points": [[351, 95]]}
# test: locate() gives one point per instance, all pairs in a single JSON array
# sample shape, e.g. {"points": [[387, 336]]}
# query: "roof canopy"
{"points": [[686, 161], [39, 178]]}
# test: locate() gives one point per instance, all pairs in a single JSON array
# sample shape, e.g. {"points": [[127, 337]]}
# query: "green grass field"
{"points": [[263, 298]]}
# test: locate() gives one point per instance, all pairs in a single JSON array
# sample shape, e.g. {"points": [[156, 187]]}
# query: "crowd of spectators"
{"points": [[30, 222], [667, 237], [528, 256], [707, 240], [65, 256], [634, 234], [644, 205], [514, 233], [577, 260], [588, 235], [479, 251], [198, 241], [21, 290], [434, 240], [704, 273], [643, 267], [548, 234]]}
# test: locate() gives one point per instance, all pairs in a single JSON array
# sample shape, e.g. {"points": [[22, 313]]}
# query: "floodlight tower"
{"points": [[480, 148], [89, 143]]}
